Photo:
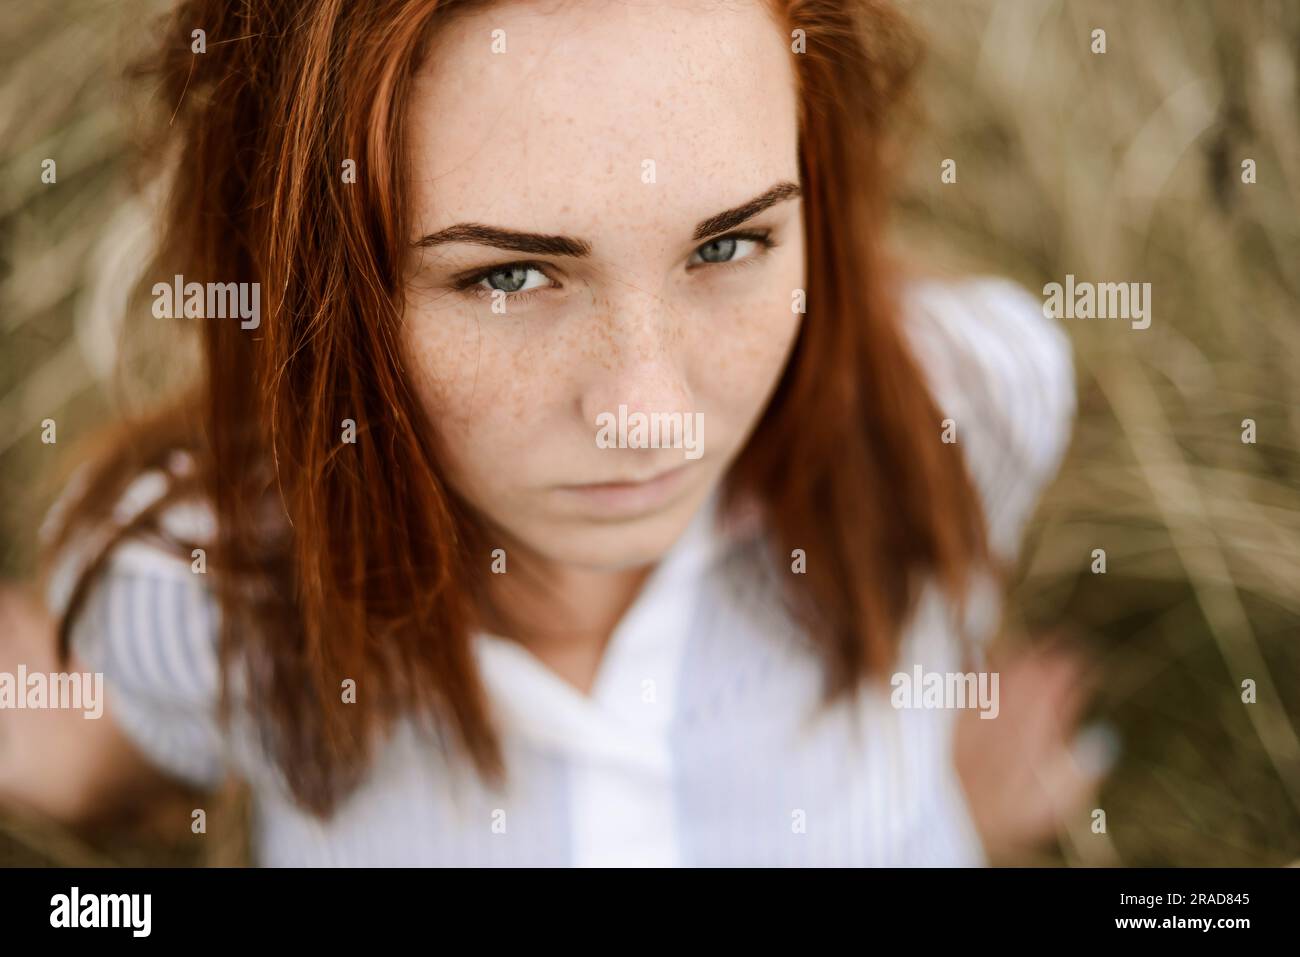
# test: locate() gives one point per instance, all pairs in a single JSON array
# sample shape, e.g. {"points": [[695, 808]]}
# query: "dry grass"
{"points": [[1125, 166], [1121, 167]]}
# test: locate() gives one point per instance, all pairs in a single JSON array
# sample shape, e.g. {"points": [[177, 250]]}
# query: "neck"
{"points": [[564, 615]]}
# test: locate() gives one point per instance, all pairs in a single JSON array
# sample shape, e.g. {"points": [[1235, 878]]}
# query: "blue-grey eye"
{"points": [[727, 249], [508, 278], [718, 250]]}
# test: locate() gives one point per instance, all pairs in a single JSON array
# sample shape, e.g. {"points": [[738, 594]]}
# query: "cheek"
{"points": [[758, 330], [486, 384]]}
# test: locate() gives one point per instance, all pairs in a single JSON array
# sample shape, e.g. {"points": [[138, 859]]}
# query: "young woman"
{"points": [[408, 560]]}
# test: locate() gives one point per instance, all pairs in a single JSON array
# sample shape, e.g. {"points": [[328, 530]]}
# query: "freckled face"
{"points": [[621, 128]]}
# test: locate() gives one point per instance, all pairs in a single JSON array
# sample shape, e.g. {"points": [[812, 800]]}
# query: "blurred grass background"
{"points": [[1123, 166]]}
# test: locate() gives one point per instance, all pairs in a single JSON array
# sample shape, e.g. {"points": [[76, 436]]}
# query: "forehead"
{"points": [[554, 133]]}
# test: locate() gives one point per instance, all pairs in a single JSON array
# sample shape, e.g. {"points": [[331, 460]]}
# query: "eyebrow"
{"points": [[541, 244]]}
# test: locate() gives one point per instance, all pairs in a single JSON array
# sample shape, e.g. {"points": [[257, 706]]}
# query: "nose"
{"points": [[638, 361]]}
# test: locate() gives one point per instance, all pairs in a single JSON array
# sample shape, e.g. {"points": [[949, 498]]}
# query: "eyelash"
{"points": [[470, 284]]}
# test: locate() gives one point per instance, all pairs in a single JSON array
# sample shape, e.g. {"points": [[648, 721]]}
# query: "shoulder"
{"points": [[1003, 372], [149, 623]]}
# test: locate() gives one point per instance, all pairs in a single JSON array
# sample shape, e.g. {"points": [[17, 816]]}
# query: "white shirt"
{"points": [[700, 743]]}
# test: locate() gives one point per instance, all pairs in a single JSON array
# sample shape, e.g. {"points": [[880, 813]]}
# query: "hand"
{"points": [[1029, 771]]}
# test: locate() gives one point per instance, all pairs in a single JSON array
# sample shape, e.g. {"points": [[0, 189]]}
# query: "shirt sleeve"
{"points": [[1003, 372], [943, 833], [149, 624]]}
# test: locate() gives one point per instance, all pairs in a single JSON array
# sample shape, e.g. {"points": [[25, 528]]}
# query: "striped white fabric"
{"points": [[701, 742]]}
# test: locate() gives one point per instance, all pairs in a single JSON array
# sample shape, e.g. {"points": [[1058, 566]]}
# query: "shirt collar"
{"points": [[626, 715]]}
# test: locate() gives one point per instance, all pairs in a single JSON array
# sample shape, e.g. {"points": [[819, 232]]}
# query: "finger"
{"points": [[1075, 776]]}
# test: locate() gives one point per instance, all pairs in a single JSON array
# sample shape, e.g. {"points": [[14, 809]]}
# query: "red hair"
{"points": [[358, 561]]}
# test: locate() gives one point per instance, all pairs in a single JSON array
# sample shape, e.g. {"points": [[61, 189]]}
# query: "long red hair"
{"points": [[357, 561]]}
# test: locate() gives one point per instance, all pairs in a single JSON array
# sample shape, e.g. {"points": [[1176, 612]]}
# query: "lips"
{"points": [[627, 497], [628, 483]]}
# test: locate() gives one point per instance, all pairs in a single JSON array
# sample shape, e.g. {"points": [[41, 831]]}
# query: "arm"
{"points": [[56, 763], [1030, 773]]}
